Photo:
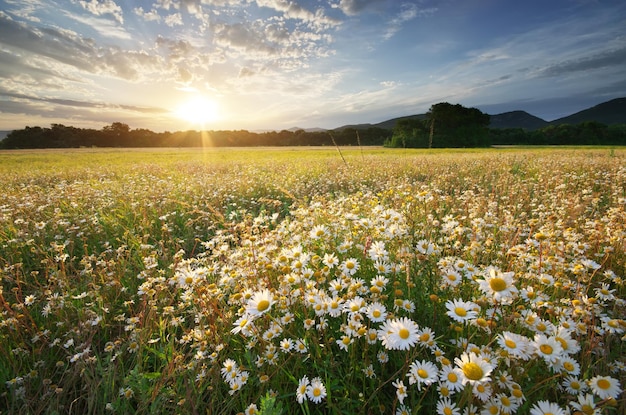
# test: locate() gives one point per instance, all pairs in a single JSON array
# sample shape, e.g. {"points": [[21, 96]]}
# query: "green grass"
{"points": [[123, 274]]}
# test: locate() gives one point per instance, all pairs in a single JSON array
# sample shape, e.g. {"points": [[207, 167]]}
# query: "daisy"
{"points": [[403, 410], [302, 388], [451, 278], [474, 368], [259, 303], [451, 378], [243, 325], [446, 407], [498, 284], [515, 344], [548, 348], [423, 373], [398, 334], [482, 391], [400, 389], [586, 405], [546, 408], [573, 385], [376, 312], [568, 365], [316, 391], [350, 266], [605, 387], [461, 311], [426, 337]]}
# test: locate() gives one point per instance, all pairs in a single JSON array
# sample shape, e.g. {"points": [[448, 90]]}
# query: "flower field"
{"points": [[300, 281]]}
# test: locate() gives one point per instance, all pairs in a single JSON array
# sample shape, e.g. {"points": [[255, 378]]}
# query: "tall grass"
{"points": [[293, 281]]}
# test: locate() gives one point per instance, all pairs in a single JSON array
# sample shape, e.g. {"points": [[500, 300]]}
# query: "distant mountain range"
{"points": [[610, 112]]}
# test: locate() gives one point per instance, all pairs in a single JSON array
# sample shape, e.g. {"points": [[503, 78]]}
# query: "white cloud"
{"points": [[175, 19], [151, 16], [104, 7]]}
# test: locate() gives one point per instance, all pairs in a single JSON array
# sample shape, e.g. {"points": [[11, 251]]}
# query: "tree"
{"points": [[409, 133], [457, 126]]}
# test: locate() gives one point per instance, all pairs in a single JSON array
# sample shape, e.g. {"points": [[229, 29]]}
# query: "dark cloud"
{"points": [[605, 59]]}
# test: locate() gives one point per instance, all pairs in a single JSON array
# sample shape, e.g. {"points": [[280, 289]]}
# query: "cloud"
{"points": [[615, 58], [353, 7], [408, 12], [103, 8], [151, 16]]}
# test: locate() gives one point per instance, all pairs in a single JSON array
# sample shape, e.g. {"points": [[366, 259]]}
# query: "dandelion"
{"points": [[546, 408], [316, 391], [398, 334], [260, 303], [474, 368], [461, 311], [605, 387]]}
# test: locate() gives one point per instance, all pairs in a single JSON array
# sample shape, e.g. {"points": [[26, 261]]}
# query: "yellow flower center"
{"points": [[425, 337], [317, 392], [546, 349], [569, 366], [510, 344], [460, 311], [497, 284], [452, 377], [604, 384], [494, 410], [404, 333], [376, 313], [447, 411], [473, 371], [587, 409], [263, 305], [422, 373], [346, 340]]}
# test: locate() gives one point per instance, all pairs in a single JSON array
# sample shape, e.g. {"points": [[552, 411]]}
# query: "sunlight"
{"points": [[198, 110]]}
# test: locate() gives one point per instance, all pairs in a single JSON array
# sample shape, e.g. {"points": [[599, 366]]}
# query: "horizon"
{"points": [[271, 65]]}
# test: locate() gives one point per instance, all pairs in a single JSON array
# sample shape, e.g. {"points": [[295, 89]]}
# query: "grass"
{"points": [[247, 280]]}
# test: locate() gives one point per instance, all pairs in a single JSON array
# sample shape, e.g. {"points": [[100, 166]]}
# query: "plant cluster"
{"points": [[384, 283]]}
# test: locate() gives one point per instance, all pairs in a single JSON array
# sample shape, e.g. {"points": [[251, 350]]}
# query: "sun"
{"points": [[198, 110]]}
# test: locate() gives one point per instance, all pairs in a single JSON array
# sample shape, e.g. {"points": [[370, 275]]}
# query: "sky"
{"points": [[171, 65]]}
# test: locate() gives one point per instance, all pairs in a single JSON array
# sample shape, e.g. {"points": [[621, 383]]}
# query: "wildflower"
{"points": [[426, 337], [286, 345], [382, 357], [474, 368], [568, 365], [446, 407], [573, 385], [422, 372], [369, 372], [605, 387], [300, 346], [260, 303], [546, 408], [461, 311], [344, 342], [515, 344], [303, 385], [127, 392], [29, 300], [318, 231], [251, 409], [548, 348], [316, 391], [350, 266], [376, 312], [403, 410], [401, 392], [498, 284], [398, 334], [451, 378], [451, 278]]}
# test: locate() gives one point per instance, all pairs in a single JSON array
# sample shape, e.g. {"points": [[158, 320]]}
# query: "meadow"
{"points": [[318, 280]]}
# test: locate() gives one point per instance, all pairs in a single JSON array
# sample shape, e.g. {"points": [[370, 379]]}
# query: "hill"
{"points": [[610, 112], [517, 119]]}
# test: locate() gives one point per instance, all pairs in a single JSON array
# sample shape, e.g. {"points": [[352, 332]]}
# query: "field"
{"points": [[320, 280]]}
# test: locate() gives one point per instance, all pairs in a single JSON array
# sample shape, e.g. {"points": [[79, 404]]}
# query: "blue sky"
{"points": [[275, 64]]}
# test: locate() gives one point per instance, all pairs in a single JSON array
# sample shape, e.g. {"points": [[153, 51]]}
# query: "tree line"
{"points": [[121, 135], [444, 126]]}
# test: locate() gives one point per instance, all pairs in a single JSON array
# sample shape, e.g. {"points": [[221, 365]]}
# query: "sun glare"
{"points": [[198, 110]]}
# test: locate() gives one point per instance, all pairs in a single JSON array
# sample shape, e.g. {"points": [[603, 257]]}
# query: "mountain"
{"points": [[517, 119], [610, 112]]}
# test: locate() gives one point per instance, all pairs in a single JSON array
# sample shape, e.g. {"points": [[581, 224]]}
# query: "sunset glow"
{"points": [[199, 110]]}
